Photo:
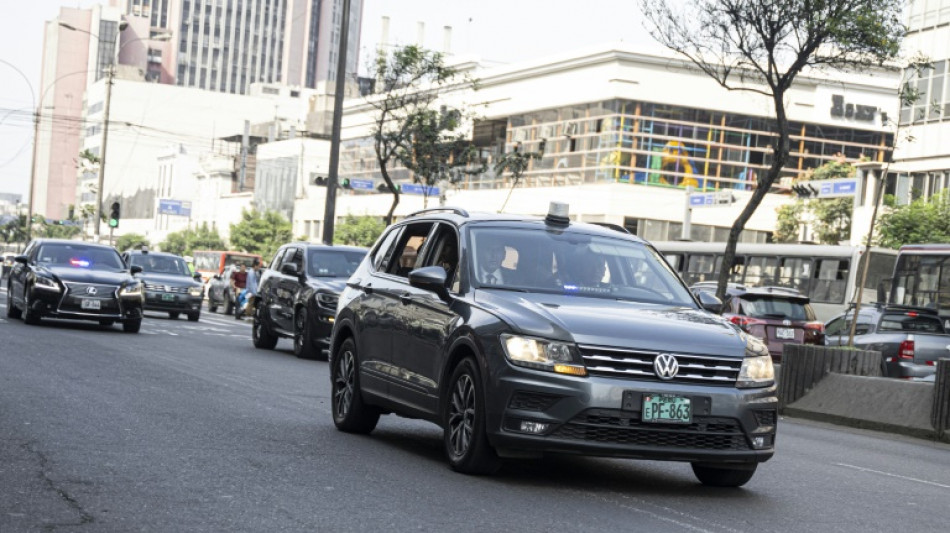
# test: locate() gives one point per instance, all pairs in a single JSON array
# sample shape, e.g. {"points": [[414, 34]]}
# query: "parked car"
{"points": [[170, 286], [6, 264], [910, 339], [776, 315], [521, 335], [299, 293], [74, 280]]}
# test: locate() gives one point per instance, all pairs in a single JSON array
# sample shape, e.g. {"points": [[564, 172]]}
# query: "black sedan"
{"points": [[298, 296], [170, 285], [74, 280]]}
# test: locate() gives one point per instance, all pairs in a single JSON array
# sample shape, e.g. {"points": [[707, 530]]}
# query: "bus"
{"points": [[922, 278], [211, 263], [827, 274]]}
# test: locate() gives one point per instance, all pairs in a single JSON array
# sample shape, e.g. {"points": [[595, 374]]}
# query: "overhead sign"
{"points": [[837, 188], [711, 199], [174, 207], [412, 188], [363, 185]]}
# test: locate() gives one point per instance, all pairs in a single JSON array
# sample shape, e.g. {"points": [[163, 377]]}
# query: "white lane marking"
{"points": [[651, 514], [888, 474]]}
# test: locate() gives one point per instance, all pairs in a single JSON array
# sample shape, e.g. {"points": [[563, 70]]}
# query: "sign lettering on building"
{"points": [[842, 109]]}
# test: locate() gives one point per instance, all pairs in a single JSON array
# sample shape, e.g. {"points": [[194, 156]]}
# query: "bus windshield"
{"points": [[923, 280]]}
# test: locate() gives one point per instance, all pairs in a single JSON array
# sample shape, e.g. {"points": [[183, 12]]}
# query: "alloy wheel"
{"points": [[345, 383], [462, 415], [300, 322]]}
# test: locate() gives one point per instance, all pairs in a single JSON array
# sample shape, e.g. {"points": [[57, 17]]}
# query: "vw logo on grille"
{"points": [[665, 366], [91, 290], [168, 288]]}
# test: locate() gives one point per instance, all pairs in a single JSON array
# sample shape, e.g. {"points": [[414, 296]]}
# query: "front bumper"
{"points": [[175, 302], [51, 304], [602, 416], [322, 328]]}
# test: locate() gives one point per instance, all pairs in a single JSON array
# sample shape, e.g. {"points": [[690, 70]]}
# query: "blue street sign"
{"points": [[363, 185], [412, 188], [702, 200], [838, 187], [174, 207]]}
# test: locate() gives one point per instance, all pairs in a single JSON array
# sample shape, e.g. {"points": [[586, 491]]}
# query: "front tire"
{"points": [[350, 414], [212, 306], [12, 311], [193, 317], [260, 335], [106, 322], [132, 326], [303, 337], [465, 440], [29, 316], [228, 305], [173, 315], [723, 477]]}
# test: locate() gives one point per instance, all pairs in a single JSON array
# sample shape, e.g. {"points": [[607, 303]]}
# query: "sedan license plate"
{"points": [[91, 304], [666, 408], [785, 333], [168, 297]]}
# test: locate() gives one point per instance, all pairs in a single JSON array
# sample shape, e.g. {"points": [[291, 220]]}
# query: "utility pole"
{"points": [[329, 212], [102, 155]]}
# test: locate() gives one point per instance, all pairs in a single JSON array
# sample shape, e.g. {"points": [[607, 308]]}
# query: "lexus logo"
{"points": [[665, 366], [91, 290]]}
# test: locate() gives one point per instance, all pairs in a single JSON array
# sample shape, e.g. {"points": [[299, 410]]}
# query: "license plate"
{"points": [[168, 297], [666, 408], [785, 333], [89, 303]]}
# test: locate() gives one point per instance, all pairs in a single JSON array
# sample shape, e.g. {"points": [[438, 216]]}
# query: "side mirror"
{"points": [[22, 259], [288, 269], [709, 302], [430, 279], [135, 269]]}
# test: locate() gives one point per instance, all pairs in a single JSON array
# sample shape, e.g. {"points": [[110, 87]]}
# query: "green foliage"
{"points": [[131, 241], [53, 229], [186, 241], [789, 221], [14, 230], [921, 221], [410, 79], [358, 231], [829, 217], [260, 233]]}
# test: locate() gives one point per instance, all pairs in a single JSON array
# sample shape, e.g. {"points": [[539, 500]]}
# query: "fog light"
{"points": [[533, 427], [574, 370], [762, 442]]}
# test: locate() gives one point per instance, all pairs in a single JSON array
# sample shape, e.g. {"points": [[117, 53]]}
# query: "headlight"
{"points": [[757, 369], [196, 291], [46, 284], [542, 355], [327, 301], [132, 289]]}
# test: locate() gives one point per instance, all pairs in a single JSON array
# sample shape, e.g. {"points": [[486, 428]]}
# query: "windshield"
{"points": [[911, 322], [80, 256], [153, 264], [333, 263], [538, 260]]}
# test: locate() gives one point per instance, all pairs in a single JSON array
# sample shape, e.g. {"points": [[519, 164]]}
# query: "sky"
{"points": [[496, 31]]}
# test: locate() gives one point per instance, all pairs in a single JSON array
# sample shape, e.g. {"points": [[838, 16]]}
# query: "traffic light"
{"points": [[345, 183], [805, 190], [114, 215]]}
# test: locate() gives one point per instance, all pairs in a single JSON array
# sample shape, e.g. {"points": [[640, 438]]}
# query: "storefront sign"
{"points": [[841, 109]]}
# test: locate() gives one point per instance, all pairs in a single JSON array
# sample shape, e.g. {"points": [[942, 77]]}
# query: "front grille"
{"points": [[81, 290], [532, 401], [617, 427], [638, 364], [154, 287]]}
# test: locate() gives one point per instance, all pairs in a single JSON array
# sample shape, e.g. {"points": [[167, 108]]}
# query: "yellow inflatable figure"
{"points": [[673, 154]]}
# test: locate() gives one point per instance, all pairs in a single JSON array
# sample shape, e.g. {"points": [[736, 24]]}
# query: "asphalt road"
{"points": [[187, 427]]}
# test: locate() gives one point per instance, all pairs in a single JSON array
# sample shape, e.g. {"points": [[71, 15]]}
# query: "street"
{"points": [[187, 427]]}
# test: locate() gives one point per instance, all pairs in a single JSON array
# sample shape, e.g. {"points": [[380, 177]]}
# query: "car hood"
{"points": [[335, 285], [168, 279], [602, 322], [80, 275]]}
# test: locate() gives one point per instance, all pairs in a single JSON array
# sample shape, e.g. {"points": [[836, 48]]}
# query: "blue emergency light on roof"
{"points": [[557, 214]]}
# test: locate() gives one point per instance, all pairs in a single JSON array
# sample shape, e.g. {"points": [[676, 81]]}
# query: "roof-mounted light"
{"points": [[557, 214]]}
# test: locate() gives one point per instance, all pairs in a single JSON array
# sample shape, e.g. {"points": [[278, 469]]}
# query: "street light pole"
{"points": [[102, 151], [329, 212]]}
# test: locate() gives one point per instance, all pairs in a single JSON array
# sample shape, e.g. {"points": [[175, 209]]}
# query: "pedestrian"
{"points": [[238, 283], [253, 277]]}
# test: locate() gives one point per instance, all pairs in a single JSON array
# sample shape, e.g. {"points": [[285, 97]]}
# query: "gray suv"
{"points": [[521, 336]]}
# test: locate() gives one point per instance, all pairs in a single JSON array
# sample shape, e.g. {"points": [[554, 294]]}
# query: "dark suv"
{"points": [[522, 335], [298, 296], [170, 286], [776, 315]]}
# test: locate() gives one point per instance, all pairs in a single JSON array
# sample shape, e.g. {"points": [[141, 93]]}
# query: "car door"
{"points": [[287, 285], [267, 288], [419, 346], [19, 275]]}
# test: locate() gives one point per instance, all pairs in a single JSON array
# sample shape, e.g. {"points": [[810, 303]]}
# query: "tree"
{"points": [[516, 162], [359, 231], [409, 80], [260, 233], [788, 222], [186, 241], [54, 229], [13, 229], [761, 46], [131, 241], [921, 221], [436, 150]]}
